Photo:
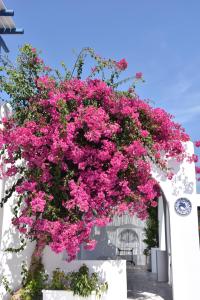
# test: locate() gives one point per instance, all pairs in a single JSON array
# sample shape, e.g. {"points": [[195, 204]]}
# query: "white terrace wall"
{"points": [[184, 233], [112, 271]]}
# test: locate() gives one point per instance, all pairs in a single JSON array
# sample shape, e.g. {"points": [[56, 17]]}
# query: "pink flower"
{"points": [[170, 175], [197, 143], [122, 208], [90, 245], [138, 75], [38, 203], [144, 133], [136, 148], [194, 158], [154, 203], [26, 186], [57, 247], [122, 64], [197, 169], [22, 230], [80, 198], [25, 220]]}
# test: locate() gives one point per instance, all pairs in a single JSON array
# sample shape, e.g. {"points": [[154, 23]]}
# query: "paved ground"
{"points": [[142, 285]]}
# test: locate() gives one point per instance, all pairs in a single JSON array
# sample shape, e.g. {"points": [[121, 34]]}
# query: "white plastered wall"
{"points": [[185, 251]]}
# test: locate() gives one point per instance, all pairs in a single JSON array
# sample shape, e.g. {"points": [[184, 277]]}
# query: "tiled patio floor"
{"points": [[142, 285]]}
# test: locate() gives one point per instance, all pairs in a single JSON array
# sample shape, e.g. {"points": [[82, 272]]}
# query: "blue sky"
{"points": [[159, 38]]}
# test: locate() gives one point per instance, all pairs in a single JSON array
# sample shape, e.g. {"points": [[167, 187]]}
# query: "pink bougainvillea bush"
{"points": [[82, 150]]}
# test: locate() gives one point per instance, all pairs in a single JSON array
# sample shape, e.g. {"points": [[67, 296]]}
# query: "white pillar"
{"points": [[185, 253], [162, 224]]}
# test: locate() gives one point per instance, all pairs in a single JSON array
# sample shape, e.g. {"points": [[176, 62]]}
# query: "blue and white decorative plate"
{"points": [[183, 206]]}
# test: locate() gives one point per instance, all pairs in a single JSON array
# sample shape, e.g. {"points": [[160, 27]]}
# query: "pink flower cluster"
{"points": [[86, 155], [122, 64]]}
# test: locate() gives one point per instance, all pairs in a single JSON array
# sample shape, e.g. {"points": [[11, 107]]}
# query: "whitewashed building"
{"points": [[178, 238]]}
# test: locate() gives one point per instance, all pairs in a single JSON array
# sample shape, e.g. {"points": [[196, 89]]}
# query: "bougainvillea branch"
{"points": [[86, 150]]}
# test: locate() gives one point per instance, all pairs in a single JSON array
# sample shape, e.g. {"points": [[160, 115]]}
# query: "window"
{"points": [[128, 236]]}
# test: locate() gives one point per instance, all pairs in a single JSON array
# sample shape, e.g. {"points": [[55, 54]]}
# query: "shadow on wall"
{"points": [[11, 262], [184, 180], [181, 180], [58, 261]]}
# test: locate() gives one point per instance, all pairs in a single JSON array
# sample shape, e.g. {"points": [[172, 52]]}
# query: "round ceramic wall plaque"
{"points": [[183, 206]]}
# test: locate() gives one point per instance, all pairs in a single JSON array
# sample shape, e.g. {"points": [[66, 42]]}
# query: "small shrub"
{"points": [[59, 281], [33, 284], [81, 282]]}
